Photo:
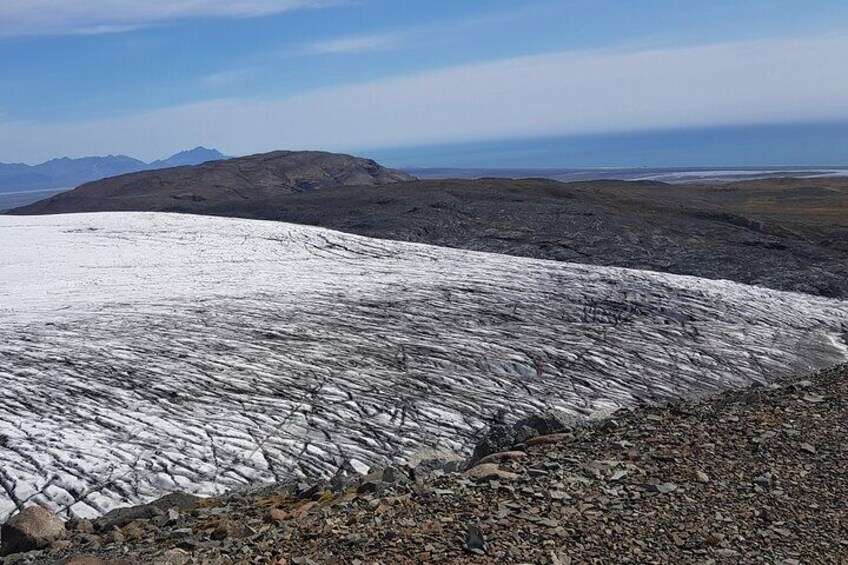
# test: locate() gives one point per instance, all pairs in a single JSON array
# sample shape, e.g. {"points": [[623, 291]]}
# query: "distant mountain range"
{"points": [[220, 187], [68, 173]]}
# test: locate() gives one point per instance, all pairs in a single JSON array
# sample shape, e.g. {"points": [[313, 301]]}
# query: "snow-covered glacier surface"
{"points": [[145, 353]]}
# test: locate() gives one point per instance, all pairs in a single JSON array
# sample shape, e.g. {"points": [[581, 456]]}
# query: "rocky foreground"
{"points": [[755, 476]]}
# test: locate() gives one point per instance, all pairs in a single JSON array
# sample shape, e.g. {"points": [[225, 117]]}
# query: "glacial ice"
{"points": [[146, 352]]}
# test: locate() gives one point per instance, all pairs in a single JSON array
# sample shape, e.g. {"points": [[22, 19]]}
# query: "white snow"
{"points": [[146, 352]]}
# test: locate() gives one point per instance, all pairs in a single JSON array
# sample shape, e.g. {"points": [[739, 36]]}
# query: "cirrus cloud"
{"points": [[354, 44], [49, 17], [759, 82]]}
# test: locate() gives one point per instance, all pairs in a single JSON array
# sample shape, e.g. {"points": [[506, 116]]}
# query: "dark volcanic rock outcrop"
{"points": [[220, 185], [789, 234]]}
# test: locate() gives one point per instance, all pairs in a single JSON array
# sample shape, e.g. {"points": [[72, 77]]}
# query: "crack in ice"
{"points": [[144, 353]]}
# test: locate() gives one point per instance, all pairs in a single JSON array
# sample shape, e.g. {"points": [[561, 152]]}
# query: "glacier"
{"points": [[142, 353]]}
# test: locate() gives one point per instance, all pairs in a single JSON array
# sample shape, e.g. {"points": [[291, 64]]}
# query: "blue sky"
{"points": [[149, 78]]}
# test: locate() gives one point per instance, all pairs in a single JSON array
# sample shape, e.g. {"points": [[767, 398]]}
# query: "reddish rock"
{"points": [[489, 471], [276, 516], [229, 529], [502, 456], [549, 439]]}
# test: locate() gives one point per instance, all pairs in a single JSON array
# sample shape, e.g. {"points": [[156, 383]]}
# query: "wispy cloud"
{"points": [[406, 36], [101, 29], [224, 79], [47, 17], [770, 81], [354, 44]]}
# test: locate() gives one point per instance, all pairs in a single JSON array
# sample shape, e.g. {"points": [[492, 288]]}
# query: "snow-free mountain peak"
{"points": [[65, 172], [194, 156]]}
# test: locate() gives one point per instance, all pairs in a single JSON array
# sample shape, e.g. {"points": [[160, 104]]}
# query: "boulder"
{"points": [[229, 529], [522, 433], [475, 540], [547, 423], [308, 491], [549, 439], [174, 556], [392, 475], [33, 528], [369, 487], [276, 516], [82, 526], [182, 501], [502, 437], [502, 456], [431, 462], [489, 472], [120, 517], [169, 518]]}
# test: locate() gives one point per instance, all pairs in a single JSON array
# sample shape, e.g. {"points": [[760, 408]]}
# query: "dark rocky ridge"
{"points": [[782, 234], [231, 184], [753, 476]]}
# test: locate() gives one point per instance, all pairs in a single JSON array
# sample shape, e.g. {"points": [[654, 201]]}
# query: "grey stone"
{"points": [[763, 481], [551, 422], [169, 518], [369, 487], [429, 464], [661, 488], [394, 475], [183, 502], [807, 448], [120, 517], [310, 492], [500, 437], [523, 433], [475, 541]]}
